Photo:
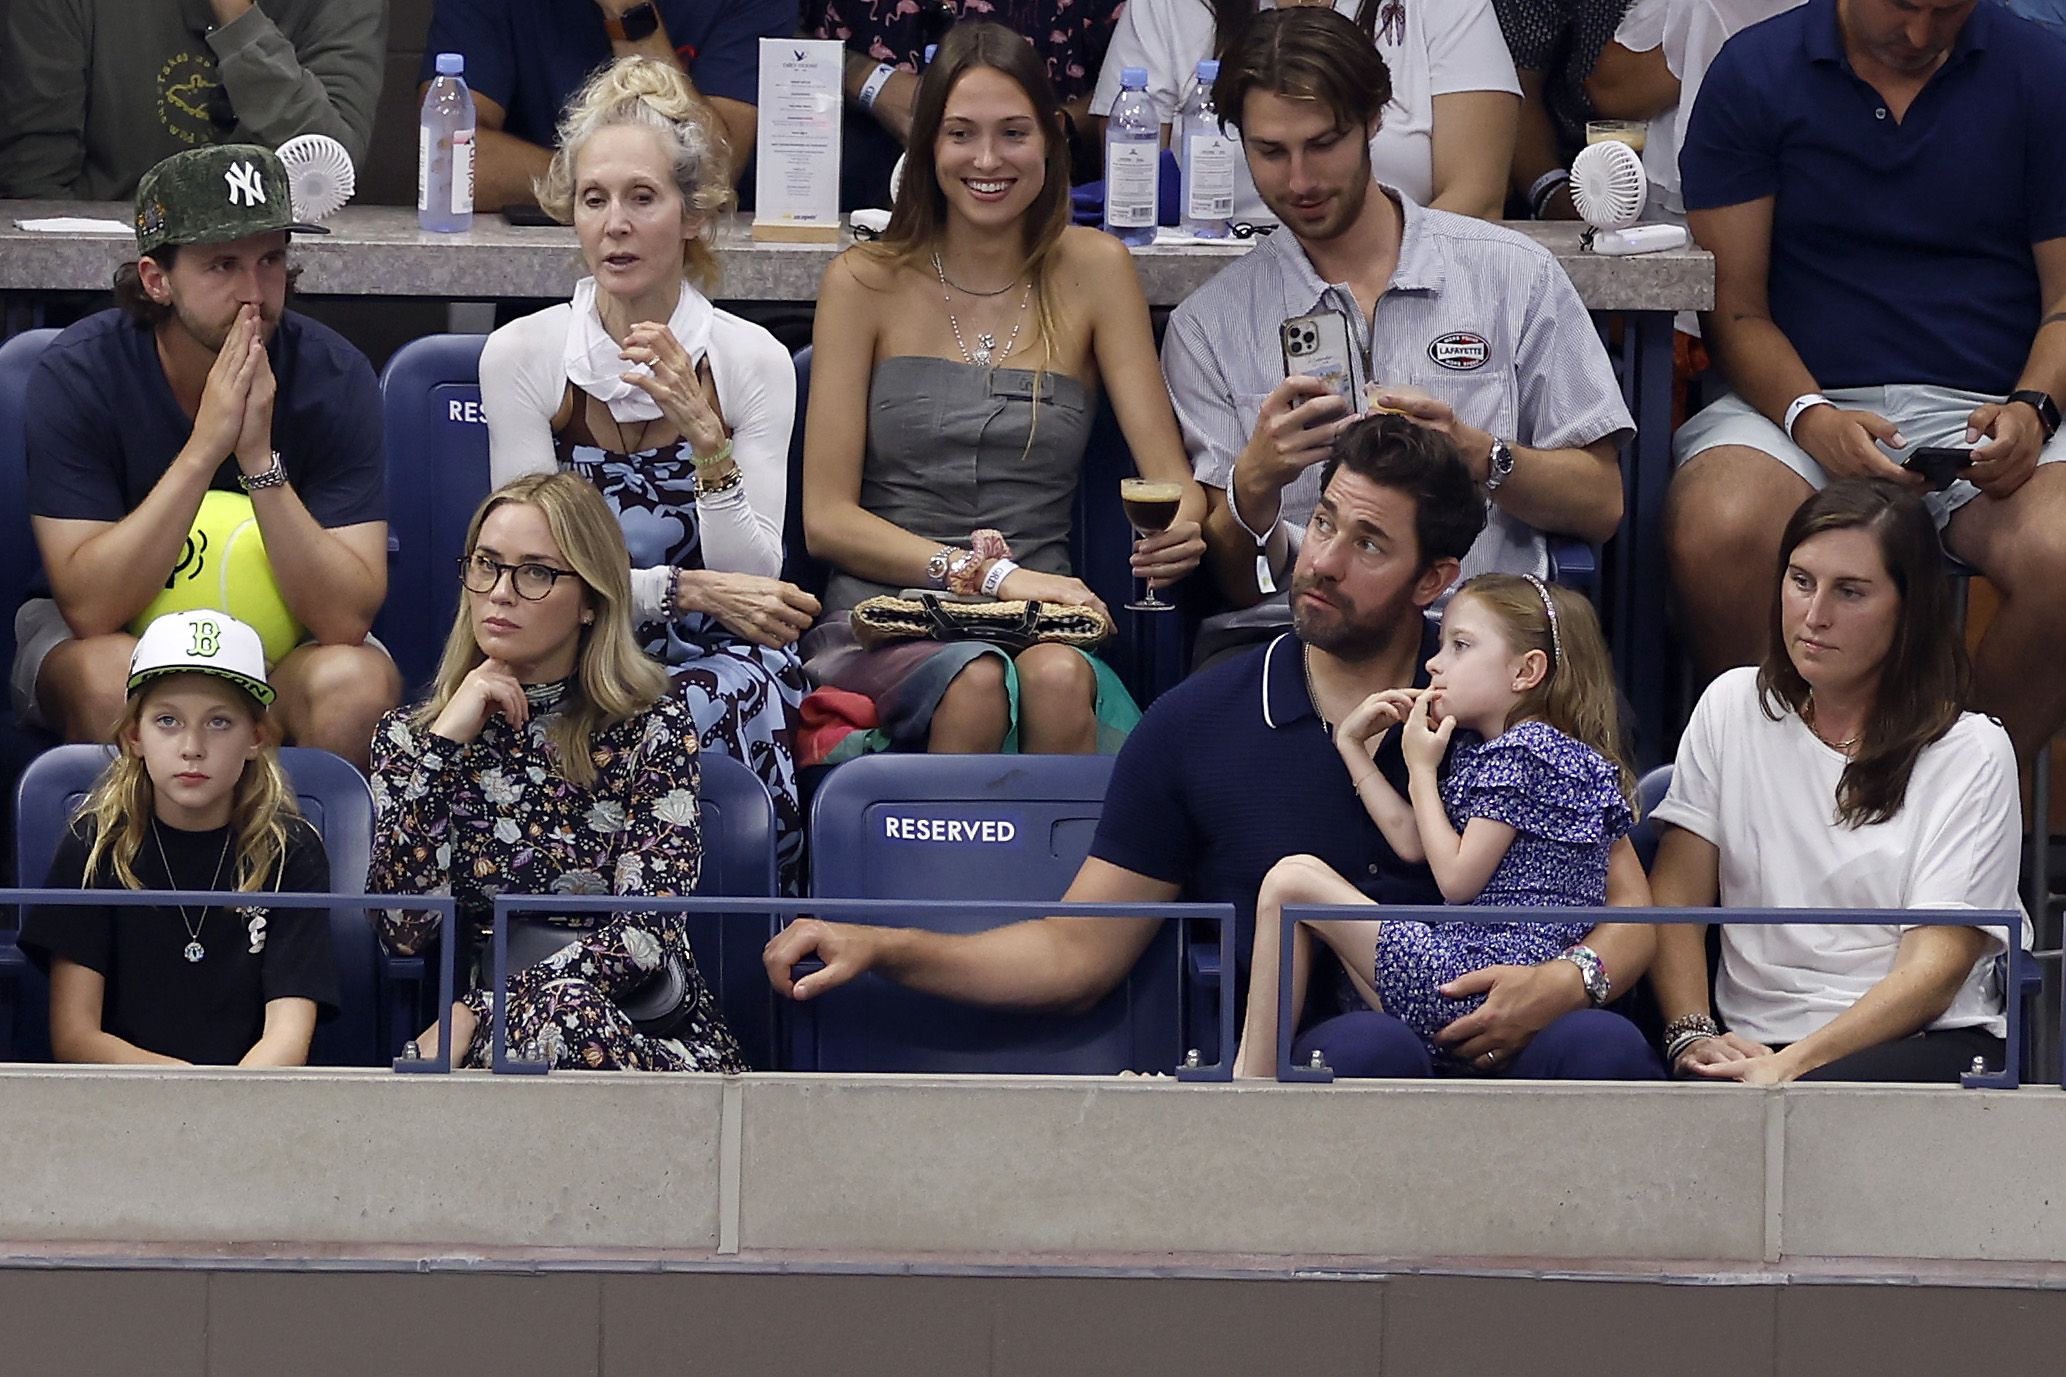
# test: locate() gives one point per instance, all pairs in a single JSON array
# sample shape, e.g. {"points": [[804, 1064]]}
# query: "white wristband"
{"points": [[1000, 570], [872, 87], [1800, 404]]}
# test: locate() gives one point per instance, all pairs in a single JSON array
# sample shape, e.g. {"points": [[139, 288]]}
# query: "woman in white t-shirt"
{"points": [[1842, 773], [1447, 135]]}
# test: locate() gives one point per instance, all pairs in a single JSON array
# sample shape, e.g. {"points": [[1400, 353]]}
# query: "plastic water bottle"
{"points": [[444, 151], [1210, 159], [1133, 150]]}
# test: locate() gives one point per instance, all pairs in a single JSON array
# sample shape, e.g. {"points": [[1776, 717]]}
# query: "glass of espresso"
{"points": [[1150, 507]]}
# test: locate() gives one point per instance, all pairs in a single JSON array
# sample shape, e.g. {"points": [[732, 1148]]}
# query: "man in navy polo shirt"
{"points": [[1883, 186], [525, 58], [1235, 769]]}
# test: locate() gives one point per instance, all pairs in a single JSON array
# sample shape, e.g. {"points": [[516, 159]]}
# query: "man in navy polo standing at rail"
{"points": [[1883, 186]]}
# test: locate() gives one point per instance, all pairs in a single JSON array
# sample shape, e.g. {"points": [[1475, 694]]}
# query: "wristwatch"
{"points": [[1598, 988], [1500, 466], [274, 477], [634, 24], [2041, 402]]}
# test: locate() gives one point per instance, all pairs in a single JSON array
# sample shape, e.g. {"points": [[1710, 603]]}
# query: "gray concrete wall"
{"points": [[1678, 1178]]}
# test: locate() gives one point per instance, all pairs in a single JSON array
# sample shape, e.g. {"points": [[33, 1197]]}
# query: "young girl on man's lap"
{"points": [[1535, 799]]}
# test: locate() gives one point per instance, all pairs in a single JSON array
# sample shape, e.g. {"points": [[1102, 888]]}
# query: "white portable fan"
{"points": [[1608, 188], [319, 176]]}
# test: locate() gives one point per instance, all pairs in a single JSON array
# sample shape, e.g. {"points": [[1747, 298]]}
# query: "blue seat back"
{"points": [[437, 473], [1018, 827], [1650, 791], [18, 561], [737, 823], [335, 800], [797, 564]]}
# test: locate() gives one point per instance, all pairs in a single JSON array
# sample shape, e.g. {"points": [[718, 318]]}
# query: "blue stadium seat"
{"points": [[738, 829], [1650, 791], [437, 473], [337, 803], [798, 567], [18, 561], [1033, 819]]}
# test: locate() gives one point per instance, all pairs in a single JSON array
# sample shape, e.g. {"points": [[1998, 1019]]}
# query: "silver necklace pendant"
{"points": [[984, 344], [193, 952]]}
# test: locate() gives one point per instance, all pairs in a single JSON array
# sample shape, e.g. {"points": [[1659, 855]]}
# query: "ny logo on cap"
{"points": [[244, 181]]}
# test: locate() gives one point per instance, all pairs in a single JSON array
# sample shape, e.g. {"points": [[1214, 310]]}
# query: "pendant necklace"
{"points": [[986, 342], [194, 951]]}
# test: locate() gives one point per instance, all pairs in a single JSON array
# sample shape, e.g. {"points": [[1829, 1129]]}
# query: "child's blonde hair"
{"points": [[123, 802], [1576, 694]]}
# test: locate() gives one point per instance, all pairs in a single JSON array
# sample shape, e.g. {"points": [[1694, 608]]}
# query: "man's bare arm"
{"points": [[1063, 964]]}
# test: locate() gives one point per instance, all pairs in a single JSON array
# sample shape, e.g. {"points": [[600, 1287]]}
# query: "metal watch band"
{"points": [[1501, 465], [1598, 988], [634, 24], [274, 477], [2041, 402]]}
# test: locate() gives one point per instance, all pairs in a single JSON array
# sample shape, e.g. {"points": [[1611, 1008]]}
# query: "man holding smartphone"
{"points": [[1465, 327], [1883, 187]]}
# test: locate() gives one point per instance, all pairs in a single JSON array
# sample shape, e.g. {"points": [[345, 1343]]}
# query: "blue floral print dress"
{"points": [[497, 816]]}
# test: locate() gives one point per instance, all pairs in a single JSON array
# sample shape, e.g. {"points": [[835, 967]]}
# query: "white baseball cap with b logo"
{"points": [[201, 641]]}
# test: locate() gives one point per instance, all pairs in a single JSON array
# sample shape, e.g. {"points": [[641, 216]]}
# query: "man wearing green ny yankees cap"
{"points": [[202, 446], [213, 195]]}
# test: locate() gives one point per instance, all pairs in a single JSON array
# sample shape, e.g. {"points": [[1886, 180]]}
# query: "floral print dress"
{"points": [[496, 816], [746, 699]]}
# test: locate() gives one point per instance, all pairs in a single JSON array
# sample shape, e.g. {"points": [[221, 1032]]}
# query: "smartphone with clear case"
{"points": [[1317, 346]]}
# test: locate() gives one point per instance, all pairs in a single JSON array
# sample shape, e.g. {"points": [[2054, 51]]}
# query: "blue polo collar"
{"points": [[1286, 700]]}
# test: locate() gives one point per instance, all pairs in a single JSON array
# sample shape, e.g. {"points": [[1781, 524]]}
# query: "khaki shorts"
{"points": [[38, 629], [1927, 416]]}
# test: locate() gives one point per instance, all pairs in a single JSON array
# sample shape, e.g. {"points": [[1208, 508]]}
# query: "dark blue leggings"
{"points": [[1589, 1045]]}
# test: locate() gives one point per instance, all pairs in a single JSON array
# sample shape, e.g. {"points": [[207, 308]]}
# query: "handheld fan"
{"points": [[319, 175], [1608, 188]]}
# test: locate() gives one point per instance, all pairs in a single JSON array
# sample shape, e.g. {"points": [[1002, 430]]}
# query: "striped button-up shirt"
{"points": [[1481, 317]]}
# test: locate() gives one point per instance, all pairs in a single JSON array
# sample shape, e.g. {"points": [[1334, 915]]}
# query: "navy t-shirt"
{"points": [[1901, 249], [1230, 772], [103, 425], [531, 56]]}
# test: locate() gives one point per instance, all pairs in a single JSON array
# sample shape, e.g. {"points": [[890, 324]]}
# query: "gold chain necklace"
{"points": [[1840, 747]]}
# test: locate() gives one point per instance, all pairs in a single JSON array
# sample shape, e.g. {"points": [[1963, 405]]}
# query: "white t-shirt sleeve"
{"points": [[522, 382], [1642, 28], [756, 388], [1466, 51], [1967, 847], [1165, 36], [1694, 799]]}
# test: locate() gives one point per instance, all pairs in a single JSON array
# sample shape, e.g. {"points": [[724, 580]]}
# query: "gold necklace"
{"points": [[1840, 747]]}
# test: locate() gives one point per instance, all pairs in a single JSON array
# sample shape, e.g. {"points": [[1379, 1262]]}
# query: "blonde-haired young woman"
{"points": [[677, 412], [953, 386], [550, 758]]}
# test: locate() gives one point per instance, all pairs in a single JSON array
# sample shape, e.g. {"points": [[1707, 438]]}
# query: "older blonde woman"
{"points": [[677, 412], [549, 758]]}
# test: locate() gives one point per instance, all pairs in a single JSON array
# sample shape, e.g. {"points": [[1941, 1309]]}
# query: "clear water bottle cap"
{"points": [[1208, 70], [451, 64], [1133, 78]]}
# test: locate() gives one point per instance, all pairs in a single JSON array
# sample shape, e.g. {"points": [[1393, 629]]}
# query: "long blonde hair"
{"points": [[641, 92], [613, 679], [1576, 693], [123, 803]]}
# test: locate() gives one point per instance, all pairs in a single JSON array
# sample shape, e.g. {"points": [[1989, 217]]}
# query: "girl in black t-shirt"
{"points": [[196, 800]]}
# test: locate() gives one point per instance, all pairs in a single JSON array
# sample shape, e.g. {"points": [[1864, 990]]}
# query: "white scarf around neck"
{"points": [[592, 360]]}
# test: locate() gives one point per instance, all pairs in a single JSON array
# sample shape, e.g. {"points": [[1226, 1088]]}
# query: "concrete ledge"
{"points": [[365, 1169]]}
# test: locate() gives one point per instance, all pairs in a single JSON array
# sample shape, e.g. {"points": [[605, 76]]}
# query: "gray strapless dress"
{"points": [[953, 448]]}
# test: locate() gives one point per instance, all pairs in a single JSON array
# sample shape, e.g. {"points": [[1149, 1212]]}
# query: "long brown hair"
{"points": [[613, 679], [918, 218], [1576, 693], [123, 803], [1925, 679]]}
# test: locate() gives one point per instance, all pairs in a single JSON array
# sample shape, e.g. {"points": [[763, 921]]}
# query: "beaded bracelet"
{"points": [[717, 487], [673, 591]]}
